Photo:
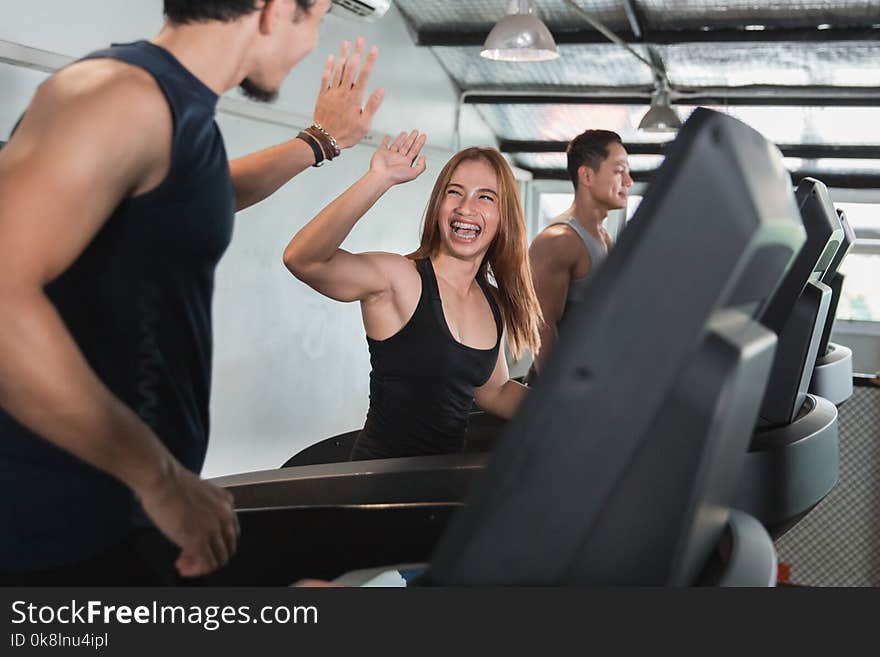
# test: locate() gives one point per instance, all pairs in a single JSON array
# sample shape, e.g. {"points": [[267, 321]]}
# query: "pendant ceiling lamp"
{"points": [[660, 117], [520, 36]]}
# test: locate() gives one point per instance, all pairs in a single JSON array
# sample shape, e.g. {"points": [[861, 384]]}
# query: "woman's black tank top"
{"points": [[422, 382]]}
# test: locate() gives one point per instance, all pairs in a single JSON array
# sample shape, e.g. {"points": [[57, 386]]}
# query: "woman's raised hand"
{"points": [[399, 162]]}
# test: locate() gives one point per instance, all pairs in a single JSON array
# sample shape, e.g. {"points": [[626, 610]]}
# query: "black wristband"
{"points": [[316, 147]]}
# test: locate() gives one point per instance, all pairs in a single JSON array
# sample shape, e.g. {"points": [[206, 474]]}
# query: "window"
{"points": [[860, 299], [632, 204], [863, 217], [553, 205]]}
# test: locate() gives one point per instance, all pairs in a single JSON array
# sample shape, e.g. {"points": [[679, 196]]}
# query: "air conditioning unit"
{"points": [[364, 10]]}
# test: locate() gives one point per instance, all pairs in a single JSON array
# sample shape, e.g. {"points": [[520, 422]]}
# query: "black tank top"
{"points": [[422, 382], [138, 303]]}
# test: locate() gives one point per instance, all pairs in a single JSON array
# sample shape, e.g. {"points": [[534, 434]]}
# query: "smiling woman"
{"points": [[476, 196], [434, 319]]}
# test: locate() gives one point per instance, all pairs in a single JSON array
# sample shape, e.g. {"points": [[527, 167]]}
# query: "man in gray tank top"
{"points": [[565, 253]]}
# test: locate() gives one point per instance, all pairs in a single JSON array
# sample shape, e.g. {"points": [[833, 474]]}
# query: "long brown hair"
{"points": [[507, 259]]}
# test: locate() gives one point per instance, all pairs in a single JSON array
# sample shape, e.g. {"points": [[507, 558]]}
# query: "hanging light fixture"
{"points": [[520, 36], [660, 117]]}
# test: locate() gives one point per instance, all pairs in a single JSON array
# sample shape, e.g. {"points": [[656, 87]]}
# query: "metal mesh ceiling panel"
{"points": [[812, 125], [592, 65], [842, 63], [483, 14], [546, 161], [846, 64], [720, 14], [641, 163], [563, 122], [833, 165], [608, 69], [782, 125]]}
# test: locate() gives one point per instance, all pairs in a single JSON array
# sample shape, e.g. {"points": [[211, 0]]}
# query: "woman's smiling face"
{"points": [[469, 214]]}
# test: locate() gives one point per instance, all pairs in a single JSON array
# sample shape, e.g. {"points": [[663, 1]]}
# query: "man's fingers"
{"points": [[340, 65], [229, 524], [328, 71], [196, 563], [236, 524], [386, 140], [207, 558], [367, 70], [352, 65], [185, 566], [219, 548], [231, 532], [373, 104]]}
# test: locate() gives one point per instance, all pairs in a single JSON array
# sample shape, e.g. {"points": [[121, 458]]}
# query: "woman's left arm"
{"points": [[500, 395]]}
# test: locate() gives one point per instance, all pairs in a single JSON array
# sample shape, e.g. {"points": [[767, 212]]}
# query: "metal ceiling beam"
{"points": [[464, 35], [632, 15], [835, 180], [518, 146], [562, 174], [712, 96], [802, 151]]}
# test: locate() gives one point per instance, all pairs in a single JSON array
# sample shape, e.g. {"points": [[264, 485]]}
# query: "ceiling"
{"points": [[805, 73]]}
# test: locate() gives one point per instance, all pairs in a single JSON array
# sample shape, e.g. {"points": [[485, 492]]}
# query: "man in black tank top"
{"points": [[117, 203]]}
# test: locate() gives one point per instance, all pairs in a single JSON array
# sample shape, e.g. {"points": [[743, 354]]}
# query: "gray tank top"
{"points": [[598, 252]]}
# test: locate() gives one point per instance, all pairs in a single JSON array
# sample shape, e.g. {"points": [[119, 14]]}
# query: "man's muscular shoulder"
{"points": [[116, 107], [557, 243], [97, 80]]}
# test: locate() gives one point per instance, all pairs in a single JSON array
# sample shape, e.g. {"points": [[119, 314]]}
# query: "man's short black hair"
{"points": [[193, 11], [590, 148]]}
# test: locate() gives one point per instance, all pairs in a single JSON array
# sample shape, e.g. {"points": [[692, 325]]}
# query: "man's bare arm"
{"points": [[93, 135], [552, 257], [339, 109]]}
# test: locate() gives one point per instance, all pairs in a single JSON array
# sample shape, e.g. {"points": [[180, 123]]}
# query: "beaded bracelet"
{"points": [[326, 146], [333, 144]]}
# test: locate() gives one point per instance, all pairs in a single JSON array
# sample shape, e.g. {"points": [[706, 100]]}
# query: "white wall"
{"points": [[16, 88], [290, 367]]}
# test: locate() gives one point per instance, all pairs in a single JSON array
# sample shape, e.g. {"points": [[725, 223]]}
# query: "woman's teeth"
{"points": [[465, 231]]}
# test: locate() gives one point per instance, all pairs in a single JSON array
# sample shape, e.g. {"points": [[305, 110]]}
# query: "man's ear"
{"points": [[269, 16], [585, 175]]}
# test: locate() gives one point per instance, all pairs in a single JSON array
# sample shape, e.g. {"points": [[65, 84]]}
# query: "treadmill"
{"points": [[792, 462], [608, 474], [833, 373]]}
